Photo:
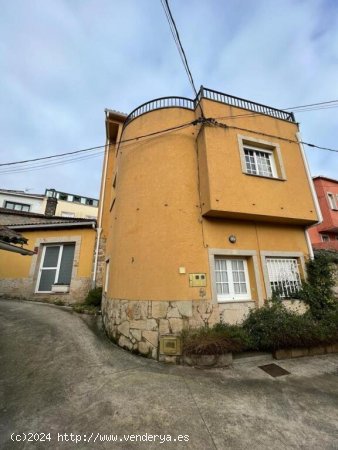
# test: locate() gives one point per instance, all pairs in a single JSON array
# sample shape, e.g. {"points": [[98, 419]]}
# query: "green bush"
{"points": [[217, 340], [274, 327], [94, 297], [317, 291]]}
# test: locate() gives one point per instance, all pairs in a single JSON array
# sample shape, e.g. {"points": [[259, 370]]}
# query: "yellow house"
{"points": [[60, 268], [204, 209]]}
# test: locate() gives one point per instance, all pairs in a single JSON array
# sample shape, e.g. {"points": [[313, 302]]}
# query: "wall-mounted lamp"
{"points": [[232, 239]]}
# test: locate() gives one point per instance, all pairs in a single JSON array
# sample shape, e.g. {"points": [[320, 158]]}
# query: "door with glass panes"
{"points": [[56, 266]]}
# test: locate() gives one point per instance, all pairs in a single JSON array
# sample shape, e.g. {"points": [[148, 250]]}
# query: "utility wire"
{"points": [[50, 164], [99, 146], [223, 125], [312, 104], [53, 156], [167, 130], [178, 42], [297, 109]]}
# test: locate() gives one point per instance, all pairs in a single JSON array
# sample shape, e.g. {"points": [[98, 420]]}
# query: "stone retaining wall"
{"points": [[23, 288], [311, 351], [139, 325]]}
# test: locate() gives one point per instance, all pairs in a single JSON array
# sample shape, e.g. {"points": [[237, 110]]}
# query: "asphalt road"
{"points": [[62, 381]]}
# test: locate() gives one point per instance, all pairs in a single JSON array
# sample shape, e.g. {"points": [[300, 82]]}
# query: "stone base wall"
{"points": [[100, 261], [139, 325], [23, 288]]}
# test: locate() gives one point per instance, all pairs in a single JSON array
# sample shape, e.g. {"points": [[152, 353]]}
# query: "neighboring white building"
{"points": [[68, 205], [21, 201]]}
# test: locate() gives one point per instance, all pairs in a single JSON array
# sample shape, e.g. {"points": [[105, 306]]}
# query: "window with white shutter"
{"points": [[284, 276]]}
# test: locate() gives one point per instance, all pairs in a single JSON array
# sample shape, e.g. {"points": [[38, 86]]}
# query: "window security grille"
{"points": [[283, 276]]}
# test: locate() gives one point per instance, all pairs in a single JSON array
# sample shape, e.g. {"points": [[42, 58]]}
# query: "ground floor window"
{"points": [[56, 266], [283, 275], [232, 280]]}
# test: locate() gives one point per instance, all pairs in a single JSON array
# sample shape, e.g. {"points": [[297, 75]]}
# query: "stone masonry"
{"points": [[138, 325]]}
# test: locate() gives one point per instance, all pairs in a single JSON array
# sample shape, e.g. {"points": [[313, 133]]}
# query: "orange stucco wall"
{"points": [[14, 265], [157, 226], [232, 193]]}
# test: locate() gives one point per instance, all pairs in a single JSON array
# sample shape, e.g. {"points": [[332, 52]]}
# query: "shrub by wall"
{"points": [[217, 340], [274, 327]]}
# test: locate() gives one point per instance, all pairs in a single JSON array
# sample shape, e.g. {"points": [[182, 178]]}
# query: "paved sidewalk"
{"points": [[59, 374]]}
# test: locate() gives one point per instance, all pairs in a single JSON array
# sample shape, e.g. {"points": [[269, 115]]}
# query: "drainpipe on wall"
{"points": [[99, 228], [313, 192]]}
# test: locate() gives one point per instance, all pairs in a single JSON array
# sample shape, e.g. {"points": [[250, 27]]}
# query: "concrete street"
{"points": [[60, 374]]}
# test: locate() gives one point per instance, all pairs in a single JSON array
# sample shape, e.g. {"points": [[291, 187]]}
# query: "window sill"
{"points": [[236, 301], [264, 176]]}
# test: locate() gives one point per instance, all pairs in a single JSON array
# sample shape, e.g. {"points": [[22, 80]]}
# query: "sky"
{"points": [[62, 62]]}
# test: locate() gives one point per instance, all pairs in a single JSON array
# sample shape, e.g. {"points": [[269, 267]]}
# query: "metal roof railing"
{"points": [[210, 94], [160, 103], [245, 104]]}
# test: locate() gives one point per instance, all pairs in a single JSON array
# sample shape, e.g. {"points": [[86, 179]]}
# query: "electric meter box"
{"points": [[197, 279]]}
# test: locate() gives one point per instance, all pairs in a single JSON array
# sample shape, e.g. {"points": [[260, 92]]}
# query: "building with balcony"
{"points": [[325, 234], [205, 205]]}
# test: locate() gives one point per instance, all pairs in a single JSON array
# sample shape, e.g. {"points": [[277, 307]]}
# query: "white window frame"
{"points": [[271, 158], [333, 203], [325, 238], [232, 295], [57, 267], [261, 145]]}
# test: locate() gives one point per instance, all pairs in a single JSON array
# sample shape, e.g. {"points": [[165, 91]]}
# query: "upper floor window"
{"points": [[63, 196], [261, 158], [333, 202], [17, 206], [259, 162], [325, 238]]}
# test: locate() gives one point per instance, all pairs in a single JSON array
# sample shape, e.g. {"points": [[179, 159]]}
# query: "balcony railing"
{"points": [[238, 102], [187, 103], [160, 103]]}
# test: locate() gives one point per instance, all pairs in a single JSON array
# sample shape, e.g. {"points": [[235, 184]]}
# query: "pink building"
{"points": [[325, 234]]}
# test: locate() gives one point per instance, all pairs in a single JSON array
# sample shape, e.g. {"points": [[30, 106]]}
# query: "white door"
{"points": [[56, 266]]}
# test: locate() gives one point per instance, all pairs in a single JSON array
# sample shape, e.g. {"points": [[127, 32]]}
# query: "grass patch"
{"points": [[83, 308]]}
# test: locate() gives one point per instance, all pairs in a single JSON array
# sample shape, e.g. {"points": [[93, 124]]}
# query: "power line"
{"points": [[166, 130], [297, 109], [46, 164], [222, 125], [312, 104], [53, 156], [178, 42]]}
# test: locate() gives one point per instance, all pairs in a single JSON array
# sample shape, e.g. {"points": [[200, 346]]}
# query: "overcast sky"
{"points": [[63, 62]]}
